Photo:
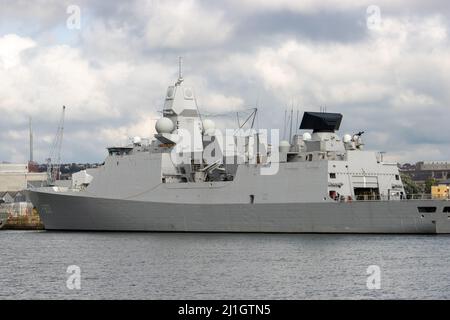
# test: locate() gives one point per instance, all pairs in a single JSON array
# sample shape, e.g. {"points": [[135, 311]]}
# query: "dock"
{"points": [[29, 220]]}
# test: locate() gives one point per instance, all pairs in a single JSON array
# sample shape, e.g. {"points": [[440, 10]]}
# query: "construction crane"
{"points": [[54, 160]]}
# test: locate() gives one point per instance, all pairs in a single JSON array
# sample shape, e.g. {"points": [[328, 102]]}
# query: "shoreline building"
{"points": [[424, 170], [16, 177]]}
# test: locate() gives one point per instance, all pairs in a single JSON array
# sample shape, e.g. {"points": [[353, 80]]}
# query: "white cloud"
{"points": [[365, 72], [216, 102], [113, 76], [48, 78], [185, 24], [426, 152], [11, 47], [314, 6]]}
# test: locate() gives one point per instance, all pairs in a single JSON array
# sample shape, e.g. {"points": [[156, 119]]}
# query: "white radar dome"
{"points": [[347, 138], [164, 125], [306, 136], [137, 140], [208, 126]]}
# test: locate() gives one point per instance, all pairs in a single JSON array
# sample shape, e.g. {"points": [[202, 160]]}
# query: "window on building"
{"points": [[397, 177], [446, 210], [332, 175]]}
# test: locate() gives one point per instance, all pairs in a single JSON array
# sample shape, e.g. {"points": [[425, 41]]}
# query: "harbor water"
{"points": [[35, 265]]}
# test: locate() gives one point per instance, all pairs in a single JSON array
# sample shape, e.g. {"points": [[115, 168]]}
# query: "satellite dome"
{"points": [[347, 138], [137, 140], [208, 127], [306, 136], [164, 125]]}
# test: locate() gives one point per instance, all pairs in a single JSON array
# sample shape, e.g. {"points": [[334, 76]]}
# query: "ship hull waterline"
{"points": [[69, 212]]}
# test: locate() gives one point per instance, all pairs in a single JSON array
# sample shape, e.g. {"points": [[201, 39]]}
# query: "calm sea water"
{"points": [[33, 265]]}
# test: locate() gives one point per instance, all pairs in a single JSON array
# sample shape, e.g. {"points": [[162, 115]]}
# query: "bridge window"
{"points": [[119, 151], [426, 209]]}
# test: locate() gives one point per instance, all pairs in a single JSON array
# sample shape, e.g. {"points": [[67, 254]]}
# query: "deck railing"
{"points": [[418, 196]]}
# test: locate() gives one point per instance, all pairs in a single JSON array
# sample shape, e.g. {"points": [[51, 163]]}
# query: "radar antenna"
{"points": [[180, 71], [251, 116], [55, 152]]}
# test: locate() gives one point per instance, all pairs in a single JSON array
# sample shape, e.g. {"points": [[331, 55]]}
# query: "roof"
{"points": [[6, 197]]}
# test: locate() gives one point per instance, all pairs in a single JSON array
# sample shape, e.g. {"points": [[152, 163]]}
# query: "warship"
{"points": [[191, 178]]}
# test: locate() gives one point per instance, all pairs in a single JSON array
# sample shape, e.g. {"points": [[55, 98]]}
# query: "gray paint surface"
{"points": [[74, 212]]}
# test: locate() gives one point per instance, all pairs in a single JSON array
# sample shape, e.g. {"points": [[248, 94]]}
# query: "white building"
{"points": [[15, 177]]}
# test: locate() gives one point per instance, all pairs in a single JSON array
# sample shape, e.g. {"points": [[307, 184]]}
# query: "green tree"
{"points": [[429, 183], [410, 186]]}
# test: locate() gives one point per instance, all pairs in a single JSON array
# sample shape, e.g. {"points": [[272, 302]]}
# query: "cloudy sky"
{"points": [[386, 68]]}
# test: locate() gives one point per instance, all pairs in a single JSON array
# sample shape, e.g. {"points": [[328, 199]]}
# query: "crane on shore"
{"points": [[54, 160]]}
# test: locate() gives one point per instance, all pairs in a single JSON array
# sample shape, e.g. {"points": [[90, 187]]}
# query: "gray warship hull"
{"points": [[79, 212]]}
